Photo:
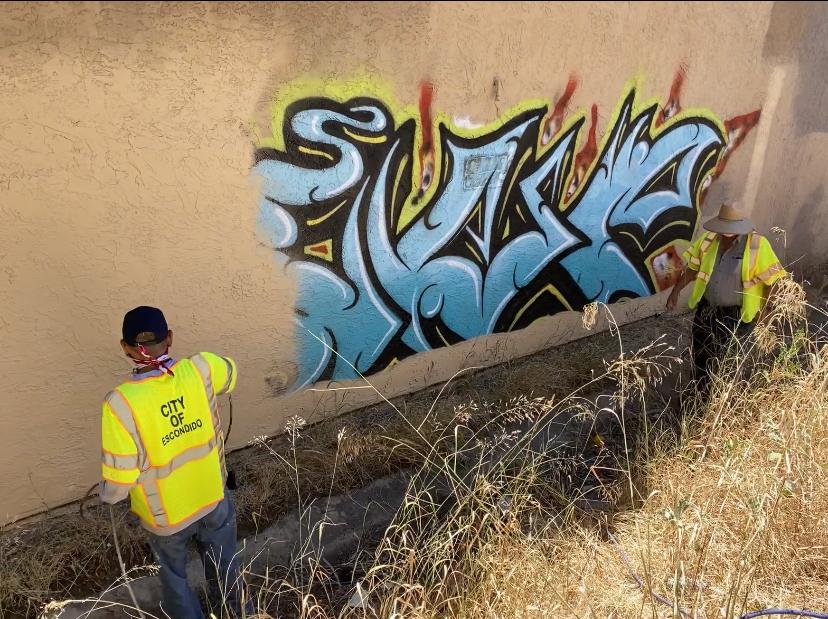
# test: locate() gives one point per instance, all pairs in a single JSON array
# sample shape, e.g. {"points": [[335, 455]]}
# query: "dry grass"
{"points": [[64, 555], [379, 438], [37, 563], [731, 519], [736, 520]]}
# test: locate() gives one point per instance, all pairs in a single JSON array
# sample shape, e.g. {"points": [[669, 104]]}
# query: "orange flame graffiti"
{"points": [[427, 147], [673, 105], [555, 120], [737, 129], [586, 155]]}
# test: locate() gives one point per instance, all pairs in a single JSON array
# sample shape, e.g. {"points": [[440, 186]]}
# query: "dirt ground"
{"points": [[69, 554]]}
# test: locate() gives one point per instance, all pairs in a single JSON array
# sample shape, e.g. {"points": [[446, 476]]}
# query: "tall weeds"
{"points": [[607, 503]]}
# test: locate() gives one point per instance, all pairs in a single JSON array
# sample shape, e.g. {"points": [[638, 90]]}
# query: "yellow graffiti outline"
{"points": [[366, 85], [319, 220], [673, 169], [328, 243], [639, 104], [360, 85], [474, 212], [313, 151], [472, 250], [445, 341], [512, 180], [553, 290], [376, 139]]}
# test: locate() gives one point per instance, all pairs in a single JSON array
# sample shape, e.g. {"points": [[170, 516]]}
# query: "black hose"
{"points": [[85, 498], [232, 481], [230, 424]]}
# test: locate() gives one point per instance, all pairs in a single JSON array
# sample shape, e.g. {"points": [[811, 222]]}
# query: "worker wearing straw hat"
{"points": [[733, 269]]}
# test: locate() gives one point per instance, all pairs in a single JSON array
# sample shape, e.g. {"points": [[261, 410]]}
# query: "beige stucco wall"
{"points": [[125, 155]]}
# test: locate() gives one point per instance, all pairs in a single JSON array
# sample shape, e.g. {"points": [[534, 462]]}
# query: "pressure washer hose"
{"points": [[115, 529], [767, 612], [122, 564]]}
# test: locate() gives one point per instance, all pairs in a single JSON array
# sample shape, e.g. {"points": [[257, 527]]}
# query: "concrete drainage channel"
{"points": [[354, 521], [349, 519], [334, 530]]}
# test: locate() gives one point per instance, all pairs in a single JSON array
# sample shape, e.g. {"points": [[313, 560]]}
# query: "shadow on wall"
{"points": [[797, 33], [808, 229], [407, 232]]}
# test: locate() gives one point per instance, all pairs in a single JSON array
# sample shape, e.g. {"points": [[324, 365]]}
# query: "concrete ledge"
{"points": [[333, 531]]}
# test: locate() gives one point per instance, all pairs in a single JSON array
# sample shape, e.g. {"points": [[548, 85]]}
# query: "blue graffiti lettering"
{"points": [[508, 232]]}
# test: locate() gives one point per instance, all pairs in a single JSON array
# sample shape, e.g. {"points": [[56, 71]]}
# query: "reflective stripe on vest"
{"points": [[752, 285], [204, 370], [696, 262], [751, 257], [173, 422], [764, 276], [758, 278], [709, 237], [152, 494], [120, 406], [118, 461], [147, 490]]}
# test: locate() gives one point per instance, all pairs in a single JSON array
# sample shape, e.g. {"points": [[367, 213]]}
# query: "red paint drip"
{"points": [[426, 95], [555, 120], [673, 105], [590, 149], [737, 129], [586, 155], [427, 147]]}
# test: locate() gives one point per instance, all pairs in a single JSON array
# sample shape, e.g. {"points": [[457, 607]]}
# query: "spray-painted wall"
{"points": [[405, 234], [327, 189]]}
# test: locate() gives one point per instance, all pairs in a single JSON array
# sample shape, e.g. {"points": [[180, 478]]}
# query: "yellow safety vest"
{"points": [[760, 269], [162, 438]]}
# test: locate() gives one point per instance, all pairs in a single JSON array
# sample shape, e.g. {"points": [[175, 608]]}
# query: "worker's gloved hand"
{"points": [[91, 500], [112, 493]]}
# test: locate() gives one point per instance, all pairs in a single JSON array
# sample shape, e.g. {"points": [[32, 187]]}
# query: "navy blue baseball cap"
{"points": [[144, 325]]}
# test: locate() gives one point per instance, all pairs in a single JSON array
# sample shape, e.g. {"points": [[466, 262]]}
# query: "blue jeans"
{"points": [[215, 536]]}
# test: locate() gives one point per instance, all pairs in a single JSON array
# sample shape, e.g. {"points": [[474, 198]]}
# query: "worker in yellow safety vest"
{"points": [[164, 448], [734, 269]]}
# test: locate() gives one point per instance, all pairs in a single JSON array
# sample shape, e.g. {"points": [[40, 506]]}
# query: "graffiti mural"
{"points": [[405, 232]]}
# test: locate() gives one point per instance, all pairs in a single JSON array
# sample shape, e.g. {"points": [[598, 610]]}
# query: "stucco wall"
{"points": [[126, 154]]}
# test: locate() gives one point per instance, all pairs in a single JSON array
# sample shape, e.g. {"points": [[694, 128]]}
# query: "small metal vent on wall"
{"points": [[477, 171]]}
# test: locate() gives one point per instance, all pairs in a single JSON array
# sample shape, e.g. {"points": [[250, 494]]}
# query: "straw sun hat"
{"points": [[730, 220]]}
